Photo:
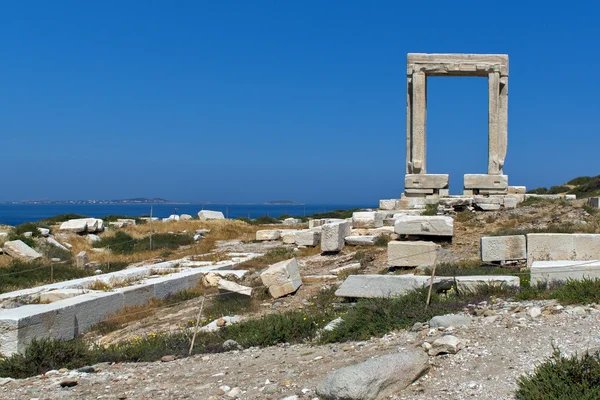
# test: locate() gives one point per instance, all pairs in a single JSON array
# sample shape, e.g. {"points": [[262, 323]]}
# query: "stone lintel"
{"points": [[485, 181], [457, 64], [418, 191], [426, 181]]}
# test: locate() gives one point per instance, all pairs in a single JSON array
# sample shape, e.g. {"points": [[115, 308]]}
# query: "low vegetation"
{"points": [[123, 243], [582, 187], [568, 378]]}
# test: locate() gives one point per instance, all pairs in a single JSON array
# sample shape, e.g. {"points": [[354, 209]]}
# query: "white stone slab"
{"points": [[346, 268], [517, 190], [366, 240], [333, 236], [268, 234], [412, 254], [18, 249], [288, 236], [485, 181], [308, 238], [233, 287], [503, 248], [372, 286], [424, 225], [426, 181], [551, 271], [389, 204], [473, 282], [562, 246], [367, 219], [208, 214]]}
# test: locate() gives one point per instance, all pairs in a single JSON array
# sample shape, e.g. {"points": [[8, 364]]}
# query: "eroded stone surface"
{"points": [[503, 248]]}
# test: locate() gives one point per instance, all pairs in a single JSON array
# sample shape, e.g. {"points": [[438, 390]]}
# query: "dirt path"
{"points": [[497, 350]]}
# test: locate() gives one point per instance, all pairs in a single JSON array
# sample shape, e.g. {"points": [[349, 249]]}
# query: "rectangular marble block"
{"points": [[485, 181], [426, 181], [562, 246], [553, 271], [503, 248], [412, 254], [424, 225]]}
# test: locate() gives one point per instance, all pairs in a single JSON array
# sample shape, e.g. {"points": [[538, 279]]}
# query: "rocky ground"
{"points": [[505, 341]]}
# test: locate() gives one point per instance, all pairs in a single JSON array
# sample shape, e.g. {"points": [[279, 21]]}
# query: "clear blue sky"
{"points": [[255, 101]]}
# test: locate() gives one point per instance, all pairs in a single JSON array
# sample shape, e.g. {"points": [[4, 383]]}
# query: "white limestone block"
{"points": [[426, 181], [208, 214], [292, 221], [570, 197], [367, 219], [313, 223], [503, 248], [390, 204], [485, 181], [288, 236], [182, 217], [550, 246], [81, 261], [473, 282], [282, 278], [371, 286], [510, 202], [51, 241], [268, 234], [333, 236], [560, 271], [75, 225], [44, 231], [365, 240], [308, 238], [412, 254], [456, 201], [60, 294], [18, 249], [424, 225], [233, 287]]}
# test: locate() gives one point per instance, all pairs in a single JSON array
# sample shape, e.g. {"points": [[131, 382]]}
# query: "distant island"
{"points": [[137, 200], [283, 203]]}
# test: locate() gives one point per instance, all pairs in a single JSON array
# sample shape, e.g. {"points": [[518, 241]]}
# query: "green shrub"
{"points": [[21, 274], [163, 241], [27, 240], [382, 240], [114, 218], [566, 378], [540, 190], [27, 227], [430, 209], [558, 189], [582, 180], [264, 220], [588, 189], [46, 354], [119, 243], [342, 214]]}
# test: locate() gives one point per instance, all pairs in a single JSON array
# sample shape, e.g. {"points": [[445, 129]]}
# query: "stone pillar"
{"points": [[419, 118], [409, 124], [494, 167], [503, 123]]}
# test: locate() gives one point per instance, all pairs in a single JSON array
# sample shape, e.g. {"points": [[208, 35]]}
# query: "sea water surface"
{"points": [[15, 214]]}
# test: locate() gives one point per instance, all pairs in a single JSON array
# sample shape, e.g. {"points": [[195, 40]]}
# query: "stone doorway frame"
{"points": [[419, 66]]}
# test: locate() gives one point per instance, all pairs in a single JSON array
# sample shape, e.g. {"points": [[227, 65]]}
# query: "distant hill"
{"points": [[136, 200], [582, 187], [283, 202]]}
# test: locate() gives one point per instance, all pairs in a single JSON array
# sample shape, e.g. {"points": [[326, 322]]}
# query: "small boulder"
{"points": [[282, 278], [18, 249], [445, 345], [376, 378], [81, 261], [205, 215], [445, 321]]}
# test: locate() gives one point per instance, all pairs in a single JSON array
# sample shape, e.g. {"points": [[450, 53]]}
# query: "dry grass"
{"points": [[219, 230]]}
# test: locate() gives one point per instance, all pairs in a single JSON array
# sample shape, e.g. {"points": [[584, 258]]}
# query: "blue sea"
{"points": [[15, 214]]}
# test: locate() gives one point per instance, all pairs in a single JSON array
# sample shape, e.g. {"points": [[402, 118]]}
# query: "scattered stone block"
{"points": [[594, 202], [412, 254], [233, 287], [424, 225], [372, 286], [426, 181], [444, 192], [503, 248], [473, 282], [131, 221], [456, 201], [60, 294], [282, 278], [485, 181], [561, 271], [268, 234], [367, 219], [366, 240], [45, 232], [333, 236], [53, 242], [391, 204], [183, 217], [314, 223], [208, 215], [74, 225], [18, 249], [562, 246], [570, 197], [510, 202], [93, 238], [346, 268], [292, 221], [376, 378], [487, 203], [307, 238], [81, 261], [288, 236]]}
